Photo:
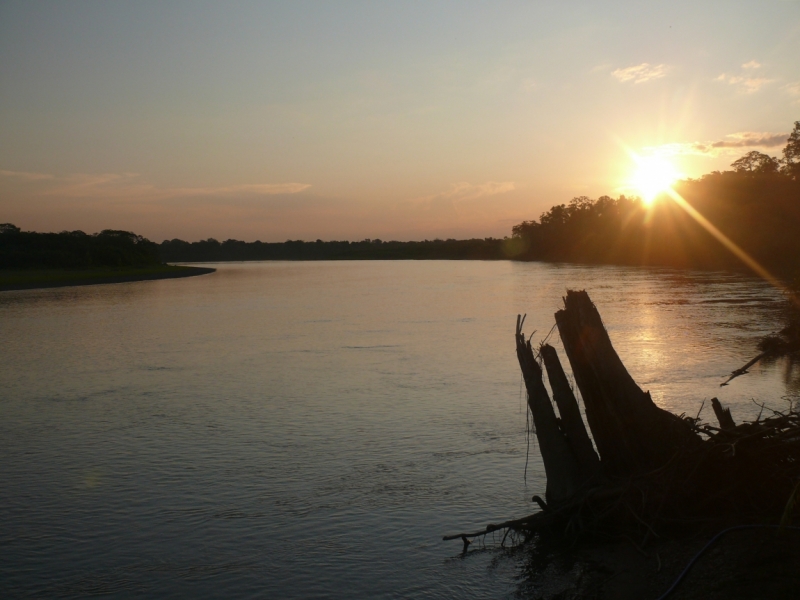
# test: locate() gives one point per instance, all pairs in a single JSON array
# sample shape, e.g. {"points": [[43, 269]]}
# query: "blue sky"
{"points": [[346, 120]]}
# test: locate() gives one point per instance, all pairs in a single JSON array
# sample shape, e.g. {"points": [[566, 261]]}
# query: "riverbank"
{"points": [[28, 279], [742, 564]]}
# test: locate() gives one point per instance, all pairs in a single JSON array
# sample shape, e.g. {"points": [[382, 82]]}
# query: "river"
{"points": [[312, 429]]}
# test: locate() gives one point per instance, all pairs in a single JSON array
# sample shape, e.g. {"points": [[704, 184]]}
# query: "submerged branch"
{"points": [[743, 370]]}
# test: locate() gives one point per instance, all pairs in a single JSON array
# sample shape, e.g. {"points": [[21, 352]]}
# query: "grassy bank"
{"points": [[25, 279]]}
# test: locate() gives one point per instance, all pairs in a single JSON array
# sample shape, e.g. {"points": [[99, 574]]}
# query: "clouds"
{"points": [[793, 89], [461, 200], [25, 175], [751, 139], [246, 189], [640, 73], [130, 186], [92, 202], [461, 205], [732, 144], [267, 211], [748, 85], [463, 191], [746, 82]]}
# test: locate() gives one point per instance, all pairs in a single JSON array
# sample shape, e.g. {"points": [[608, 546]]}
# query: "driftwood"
{"points": [[784, 343], [744, 370], [654, 473]]}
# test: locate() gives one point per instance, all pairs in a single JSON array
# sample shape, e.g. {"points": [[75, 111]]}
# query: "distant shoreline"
{"points": [[31, 279]]}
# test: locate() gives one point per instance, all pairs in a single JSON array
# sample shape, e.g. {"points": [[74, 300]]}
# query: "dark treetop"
{"points": [[74, 249]]}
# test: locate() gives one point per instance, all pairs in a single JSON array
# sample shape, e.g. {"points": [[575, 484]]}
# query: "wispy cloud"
{"points": [[25, 175], [748, 85], [461, 204], [751, 139], [123, 186], [746, 82], [256, 189], [730, 145], [640, 73], [462, 191], [793, 89]]}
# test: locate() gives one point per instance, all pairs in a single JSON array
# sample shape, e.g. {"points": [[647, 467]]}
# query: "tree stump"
{"points": [[563, 471], [632, 433], [571, 421]]}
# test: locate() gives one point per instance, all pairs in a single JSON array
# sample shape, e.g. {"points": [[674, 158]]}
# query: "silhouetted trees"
{"points": [[74, 249], [756, 205], [791, 153], [583, 230], [756, 162], [211, 250]]}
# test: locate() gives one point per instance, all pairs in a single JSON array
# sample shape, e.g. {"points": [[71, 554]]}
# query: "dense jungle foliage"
{"points": [[213, 250], [74, 249]]}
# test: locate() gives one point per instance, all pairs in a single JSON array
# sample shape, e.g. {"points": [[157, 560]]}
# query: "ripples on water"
{"points": [[302, 430]]}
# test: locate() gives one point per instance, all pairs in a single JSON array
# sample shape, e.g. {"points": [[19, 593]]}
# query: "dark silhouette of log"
{"points": [[631, 433], [571, 420], [743, 370], [561, 467], [723, 415]]}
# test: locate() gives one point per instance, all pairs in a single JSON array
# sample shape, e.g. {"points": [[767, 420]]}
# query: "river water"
{"points": [[310, 430]]}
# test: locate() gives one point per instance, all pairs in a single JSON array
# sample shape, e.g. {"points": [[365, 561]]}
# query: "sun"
{"points": [[653, 176]]}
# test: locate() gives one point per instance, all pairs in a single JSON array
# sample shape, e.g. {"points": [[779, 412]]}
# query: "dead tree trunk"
{"points": [[632, 434], [571, 421], [560, 464]]}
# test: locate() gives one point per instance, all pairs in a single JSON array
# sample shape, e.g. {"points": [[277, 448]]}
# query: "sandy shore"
{"points": [[35, 279]]}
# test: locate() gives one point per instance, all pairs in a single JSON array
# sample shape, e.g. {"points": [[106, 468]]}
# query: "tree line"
{"points": [[74, 249], [113, 248], [211, 250]]}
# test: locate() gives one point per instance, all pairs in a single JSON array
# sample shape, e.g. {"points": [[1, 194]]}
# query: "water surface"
{"points": [[310, 430]]}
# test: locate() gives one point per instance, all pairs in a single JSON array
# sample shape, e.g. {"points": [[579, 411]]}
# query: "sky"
{"points": [[392, 120]]}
